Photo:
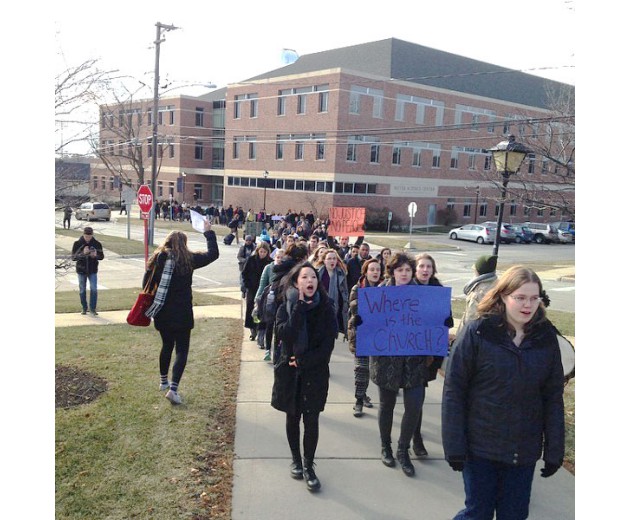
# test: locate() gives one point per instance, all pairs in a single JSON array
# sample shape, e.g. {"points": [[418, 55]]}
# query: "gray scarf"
{"points": [[301, 342]]}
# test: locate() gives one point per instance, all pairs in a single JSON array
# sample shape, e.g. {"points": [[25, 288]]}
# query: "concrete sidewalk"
{"points": [[355, 483]]}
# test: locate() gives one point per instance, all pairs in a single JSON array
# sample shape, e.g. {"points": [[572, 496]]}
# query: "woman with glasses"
{"points": [[502, 405]]}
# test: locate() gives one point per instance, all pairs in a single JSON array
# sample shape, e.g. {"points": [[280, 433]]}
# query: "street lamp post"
{"points": [[265, 175], [156, 84], [183, 186], [508, 157]]}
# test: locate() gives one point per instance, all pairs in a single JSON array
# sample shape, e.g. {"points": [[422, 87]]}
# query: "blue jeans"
{"points": [[83, 278], [494, 486]]}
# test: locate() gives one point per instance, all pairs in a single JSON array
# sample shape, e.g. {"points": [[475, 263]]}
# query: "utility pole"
{"points": [[156, 85]]}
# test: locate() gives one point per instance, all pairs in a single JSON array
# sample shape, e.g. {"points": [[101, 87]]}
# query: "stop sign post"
{"points": [[145, 201]]}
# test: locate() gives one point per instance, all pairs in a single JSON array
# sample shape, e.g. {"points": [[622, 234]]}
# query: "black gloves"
{"points": [[448, 322], [456, 463], [357, 320], [549, 469]]}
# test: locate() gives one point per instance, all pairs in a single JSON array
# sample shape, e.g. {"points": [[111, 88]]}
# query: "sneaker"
{"points": [[267, 355], [367, 402], [173, 397], [164, 386], [94, 313], [358, 408]]}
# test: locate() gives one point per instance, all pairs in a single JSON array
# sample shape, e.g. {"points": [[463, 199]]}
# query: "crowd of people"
{"points": [[502, 405]]}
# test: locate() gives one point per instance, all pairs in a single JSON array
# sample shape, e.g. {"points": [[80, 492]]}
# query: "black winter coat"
{"points": [[502, 402], [177, 312], [308, 383], [87, 264], [252, 271], [394, 372]]}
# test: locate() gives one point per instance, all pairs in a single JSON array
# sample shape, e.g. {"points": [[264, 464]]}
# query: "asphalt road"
{"points": [[454, 265]]}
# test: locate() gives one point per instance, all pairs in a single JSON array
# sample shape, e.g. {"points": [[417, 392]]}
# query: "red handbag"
{"points": [[136, 315]]}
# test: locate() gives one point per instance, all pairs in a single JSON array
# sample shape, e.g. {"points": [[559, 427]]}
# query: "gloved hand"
{"points": [[549, 469], [357, 320], [456, 463], [448, 322]]}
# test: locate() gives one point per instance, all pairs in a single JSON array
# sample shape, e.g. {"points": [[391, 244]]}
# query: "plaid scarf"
{"points": [[160, 295]]}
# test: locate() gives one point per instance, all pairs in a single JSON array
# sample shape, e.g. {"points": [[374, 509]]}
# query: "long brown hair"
{"points": [[176, 245], [510, 281]]}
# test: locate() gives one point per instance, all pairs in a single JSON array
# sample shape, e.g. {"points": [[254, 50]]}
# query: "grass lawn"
{"points": [[123, 299], [130, 453]]}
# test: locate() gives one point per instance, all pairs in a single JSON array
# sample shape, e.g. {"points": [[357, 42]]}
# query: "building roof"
{"points": [[401, 60]]}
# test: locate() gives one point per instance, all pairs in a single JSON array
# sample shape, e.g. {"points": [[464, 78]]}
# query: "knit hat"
{"points": [[87, 230], [486, 264]]}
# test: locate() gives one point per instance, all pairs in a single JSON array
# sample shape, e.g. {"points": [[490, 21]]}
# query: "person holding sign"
{"points": [[426, 269], [371, 276], [390, 373], [306, 325], [502, 405]]}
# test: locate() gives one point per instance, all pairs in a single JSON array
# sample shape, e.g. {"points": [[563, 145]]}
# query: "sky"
{"points": [[225, 43]]}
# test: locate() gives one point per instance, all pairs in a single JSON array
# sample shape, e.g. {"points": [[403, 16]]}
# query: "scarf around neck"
{"points": [[301, 343], [162, 290]]}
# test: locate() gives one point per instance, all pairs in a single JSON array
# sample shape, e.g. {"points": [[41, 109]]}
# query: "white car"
{"points": [[479, 233], [93, 211]]}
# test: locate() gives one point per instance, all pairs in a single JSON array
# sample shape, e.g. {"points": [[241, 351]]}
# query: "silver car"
{"points": [[93, 211], [480, 233], [508, 234]]}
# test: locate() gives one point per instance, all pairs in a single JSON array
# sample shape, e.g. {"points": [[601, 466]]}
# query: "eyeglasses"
{"points": [[520, 299]]}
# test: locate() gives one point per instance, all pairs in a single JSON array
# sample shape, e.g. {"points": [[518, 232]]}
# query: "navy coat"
{"points": [[502, 402]]}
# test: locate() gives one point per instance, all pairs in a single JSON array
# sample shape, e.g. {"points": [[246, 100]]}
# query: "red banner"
{"points": [[346, 222]]}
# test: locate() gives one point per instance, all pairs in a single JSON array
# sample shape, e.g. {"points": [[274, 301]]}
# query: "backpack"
{"points": [[268, 304]]}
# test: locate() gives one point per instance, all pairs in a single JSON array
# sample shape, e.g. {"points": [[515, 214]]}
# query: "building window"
{"points": [[160, 188], [544, 169], [454, 160], [282, 101], [375, 153], [355, 103], [198, 195], [506, 127], [299, 185], [497, 207], [289, 184], [323, 102], [299, 151], [417, 158], [450, 204], [253, 108], [483, 209], [198, 116], [487, 162], [371, 189], [531, 163], [309, 185], [512, 208], [360, 187], [474, 125], [237, 106], [467, 208], [198, 150], [252, 149], [301, 104], [236, 149], [95, 183], [171, 188], [149, 150], [471, 162], [396, 153], [111, 183], [540, 212], [320, 186], [171, 150], [321, 151], [527, 211], [351, 153], [436, 159], [279, 150]]}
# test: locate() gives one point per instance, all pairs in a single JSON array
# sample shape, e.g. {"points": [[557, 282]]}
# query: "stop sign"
{"points": [[145, 199]]}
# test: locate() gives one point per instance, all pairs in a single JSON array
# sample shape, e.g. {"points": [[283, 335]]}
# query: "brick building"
{"points": [[376, 125]]}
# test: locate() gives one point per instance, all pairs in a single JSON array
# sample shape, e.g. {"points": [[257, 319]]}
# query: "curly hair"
{"points": [[399, 259]]}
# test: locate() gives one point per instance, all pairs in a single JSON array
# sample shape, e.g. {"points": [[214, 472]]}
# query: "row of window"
{"points": [[114, 184], [467, 209], [358, 188]]}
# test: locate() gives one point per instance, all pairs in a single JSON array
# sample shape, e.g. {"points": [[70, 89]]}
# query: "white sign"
{"points": [[412, 208], [197, 220]]}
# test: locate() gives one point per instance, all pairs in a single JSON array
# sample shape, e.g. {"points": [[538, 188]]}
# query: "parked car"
{"points": [[93, 211], [479, 233], [524, 235], [507, 233], [566, 231], [543, 233]]}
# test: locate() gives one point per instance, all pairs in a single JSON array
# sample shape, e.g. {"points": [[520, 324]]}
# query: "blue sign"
{"points": [[405, 320]]}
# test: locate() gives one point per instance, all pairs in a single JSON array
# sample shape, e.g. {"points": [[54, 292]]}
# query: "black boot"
{"points": [[312, 482], [296, 465], [418, 448], [403, 457], [387, 457]]}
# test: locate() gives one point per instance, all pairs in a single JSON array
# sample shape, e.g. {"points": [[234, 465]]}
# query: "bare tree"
{"points": [[551, 140]]}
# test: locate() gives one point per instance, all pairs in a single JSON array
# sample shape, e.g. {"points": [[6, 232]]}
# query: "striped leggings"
{"points": [[361, 375]]}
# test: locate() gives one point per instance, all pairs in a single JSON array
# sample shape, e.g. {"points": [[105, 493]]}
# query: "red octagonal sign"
{"points": [[145, 199]]}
